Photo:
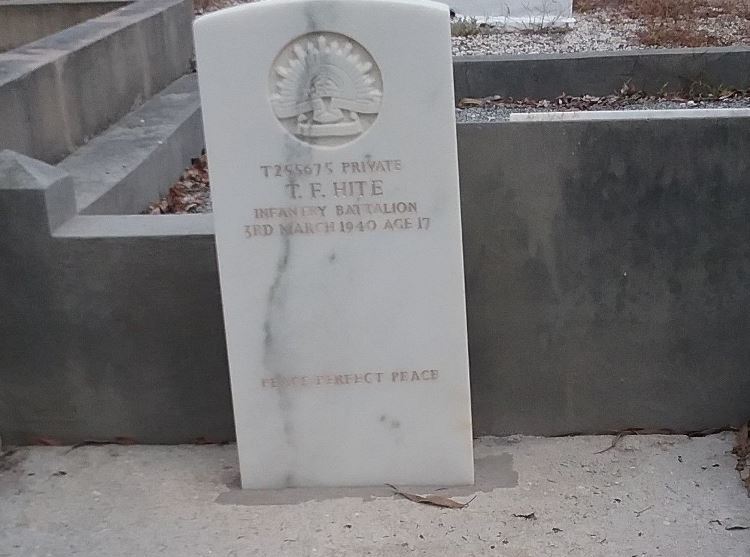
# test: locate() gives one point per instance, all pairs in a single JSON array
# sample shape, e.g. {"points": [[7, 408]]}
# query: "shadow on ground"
{"points": [[491, 472]]}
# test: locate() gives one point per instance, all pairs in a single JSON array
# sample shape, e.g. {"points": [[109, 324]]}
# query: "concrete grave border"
{"points": [[583, 317], [58, 92], [545, 76]]}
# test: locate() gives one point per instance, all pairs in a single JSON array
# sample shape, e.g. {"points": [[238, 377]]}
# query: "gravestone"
{"points": [[516, 14], [332, 152]]}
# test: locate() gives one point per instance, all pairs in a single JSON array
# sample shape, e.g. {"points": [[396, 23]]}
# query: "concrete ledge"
{"points": [[47, 189], [670, 114], [58, 92], [600, 73], [134, 161], [24, 21], [137, 226]]}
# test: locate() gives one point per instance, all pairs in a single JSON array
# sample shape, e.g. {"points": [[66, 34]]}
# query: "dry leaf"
{"points": [[124, 440], [46, 441], [202, 440], [742, 443], [436, 500], [100, 442], [467, 102], [742, 451]]}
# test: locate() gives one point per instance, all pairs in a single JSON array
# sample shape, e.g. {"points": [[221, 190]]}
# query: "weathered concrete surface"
{"points": [[103, 334], [607, 273], [544, 76], [607, 282], [34, 190], [60, 91], [136, 160], [112, 336], [649, 496], [24, 21]]}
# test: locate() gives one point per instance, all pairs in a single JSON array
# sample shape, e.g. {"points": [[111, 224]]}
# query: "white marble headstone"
{"points": [[516, 14], [332, 153]]}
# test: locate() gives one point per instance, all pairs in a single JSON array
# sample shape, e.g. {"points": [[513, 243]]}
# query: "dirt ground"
{"points": [[650, 495]]}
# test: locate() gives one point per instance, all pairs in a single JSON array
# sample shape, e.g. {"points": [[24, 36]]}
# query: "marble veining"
{"points": [[336, 213]]}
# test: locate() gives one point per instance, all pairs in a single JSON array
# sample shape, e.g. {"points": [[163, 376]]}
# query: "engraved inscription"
{"points": [[335, 197], [325, 89], [361, 378]]}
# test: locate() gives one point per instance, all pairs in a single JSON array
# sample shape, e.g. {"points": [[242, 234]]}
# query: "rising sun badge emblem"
{"points": [[326, 89]]}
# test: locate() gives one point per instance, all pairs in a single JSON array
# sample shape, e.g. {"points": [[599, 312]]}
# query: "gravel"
{"points": [[500, 112], [593, 31], [590, 32]]}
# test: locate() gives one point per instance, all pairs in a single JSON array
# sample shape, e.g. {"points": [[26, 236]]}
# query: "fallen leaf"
{"points": [[468, 102], [46, 441], [202, 440], [614, 442], [436, 500], [100, 442], [122, 440]]}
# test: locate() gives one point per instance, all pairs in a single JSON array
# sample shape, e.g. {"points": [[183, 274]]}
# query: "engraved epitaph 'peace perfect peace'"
{"points": [[331, 135]]}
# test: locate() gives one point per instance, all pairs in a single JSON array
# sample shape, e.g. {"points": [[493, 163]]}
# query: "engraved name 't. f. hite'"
{"points": [[331, 138]]}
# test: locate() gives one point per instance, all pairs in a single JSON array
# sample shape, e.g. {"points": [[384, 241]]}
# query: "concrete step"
{"points": [[134, 161]]}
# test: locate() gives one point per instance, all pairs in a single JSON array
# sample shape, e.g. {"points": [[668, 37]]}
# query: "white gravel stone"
{"points": [[596, 31], [590, 32]]}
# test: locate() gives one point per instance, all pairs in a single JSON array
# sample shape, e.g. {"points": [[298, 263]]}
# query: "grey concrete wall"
{"points": [[107, 335], [136, 160], [601, 73], [58, 92], [607, 273], [22, 21]]}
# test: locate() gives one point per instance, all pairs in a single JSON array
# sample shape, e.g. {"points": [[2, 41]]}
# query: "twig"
{"points": [[615, 441], [639, 513], [100, 442]]}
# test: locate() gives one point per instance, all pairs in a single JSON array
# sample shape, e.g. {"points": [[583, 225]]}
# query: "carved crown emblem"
{"points": [[324, 85]]}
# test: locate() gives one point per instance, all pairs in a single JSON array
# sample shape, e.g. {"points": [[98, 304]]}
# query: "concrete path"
{"points": [[648, 496]]}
